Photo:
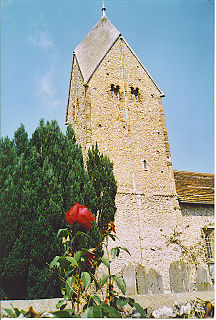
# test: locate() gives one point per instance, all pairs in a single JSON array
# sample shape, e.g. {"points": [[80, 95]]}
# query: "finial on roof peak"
{"points": [[103, 10]]}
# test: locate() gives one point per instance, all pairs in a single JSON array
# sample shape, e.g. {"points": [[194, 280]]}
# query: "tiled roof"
{"points": [[93, 48], [194, 187]]}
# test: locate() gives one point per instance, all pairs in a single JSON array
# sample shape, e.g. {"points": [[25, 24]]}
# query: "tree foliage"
{"points": [[41, 178], [100, 170]]}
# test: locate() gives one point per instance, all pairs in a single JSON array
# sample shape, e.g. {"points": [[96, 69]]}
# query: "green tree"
{"points": [[20, 140], [100, 170], [8, 222], [45, 177]]}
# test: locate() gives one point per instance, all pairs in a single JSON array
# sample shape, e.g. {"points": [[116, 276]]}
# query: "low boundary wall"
{"points": [[150, 301]]}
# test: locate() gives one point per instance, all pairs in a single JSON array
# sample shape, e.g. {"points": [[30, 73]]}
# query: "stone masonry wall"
{"points": [[142, 224], [129, 132], [76, 114], [193, 209]]}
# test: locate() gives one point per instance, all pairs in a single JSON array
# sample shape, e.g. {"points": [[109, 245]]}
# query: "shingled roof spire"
{"points": [[91, 51], [103, 10], [94, 47]]}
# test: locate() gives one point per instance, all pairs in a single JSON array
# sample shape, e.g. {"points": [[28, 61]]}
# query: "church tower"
{"points": [[114, 101]]}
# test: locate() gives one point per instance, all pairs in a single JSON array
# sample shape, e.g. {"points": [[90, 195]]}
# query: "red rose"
{"points": [[81, 214]]}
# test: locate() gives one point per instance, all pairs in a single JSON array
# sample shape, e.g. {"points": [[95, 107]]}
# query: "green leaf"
{"points": [[96, 299], [120, 283], [68, 273], [126, 250], [88, 313], [54, 262], [61, 304], [72, 260], [69, 287], [86, 279], [115, 252], [9, 312], [140, 310], [97, 312], [79, 233], [132, 303], [113, 237], [78, 255], [106, 262], [61, 314], [16, 310], [70, 310], [122, 301], [104, 280], [63, 262], [110, 311], [62, 233]]}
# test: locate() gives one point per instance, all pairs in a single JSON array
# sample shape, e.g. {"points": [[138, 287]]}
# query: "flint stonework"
{"points": [[132, 132]]}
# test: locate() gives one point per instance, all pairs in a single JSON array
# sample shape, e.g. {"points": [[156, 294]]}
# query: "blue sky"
{"points": [[173, 39]]}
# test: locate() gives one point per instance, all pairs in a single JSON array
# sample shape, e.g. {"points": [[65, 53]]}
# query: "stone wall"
{"points": [[141, 225], [76, 114], [194, 209], [147, 301], [129, 132]]}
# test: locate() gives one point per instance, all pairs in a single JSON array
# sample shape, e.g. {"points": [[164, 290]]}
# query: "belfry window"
{"points": [[115, 92], [134, 94]]}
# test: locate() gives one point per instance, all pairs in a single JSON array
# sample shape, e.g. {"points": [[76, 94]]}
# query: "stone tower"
{"points": [[114, 101]]}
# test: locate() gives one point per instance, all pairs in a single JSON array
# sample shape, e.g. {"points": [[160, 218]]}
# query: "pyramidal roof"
{"points": [[94, 47]]}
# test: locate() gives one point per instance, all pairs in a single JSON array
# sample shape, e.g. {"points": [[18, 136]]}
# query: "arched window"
{"points": [[115, 92], [134, 94]]}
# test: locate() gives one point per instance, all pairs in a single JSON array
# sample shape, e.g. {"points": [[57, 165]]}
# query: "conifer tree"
{"points": [[20, 140], [100, 170], [45, 178], [8, 225]]}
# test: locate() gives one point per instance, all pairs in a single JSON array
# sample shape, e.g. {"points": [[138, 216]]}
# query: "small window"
{"points": [[134, 94], [115, 92], [208, 246], [209, 239], [145, 164]]}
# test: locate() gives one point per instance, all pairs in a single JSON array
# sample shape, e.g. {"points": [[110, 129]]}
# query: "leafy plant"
{"points": [[17, 313], [100, 171], [40, 177], [78, 271]]}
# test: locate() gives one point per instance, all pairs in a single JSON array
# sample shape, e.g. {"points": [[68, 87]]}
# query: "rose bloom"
{"points": [[81, 214]]}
